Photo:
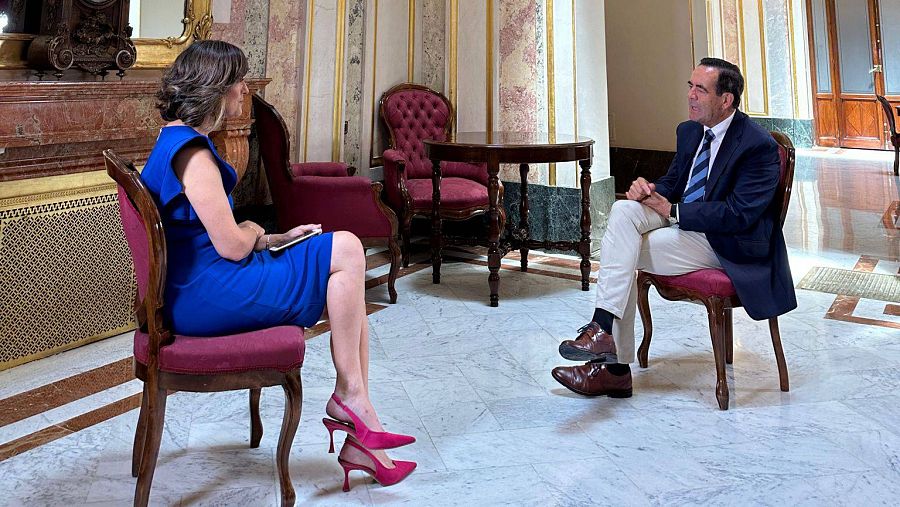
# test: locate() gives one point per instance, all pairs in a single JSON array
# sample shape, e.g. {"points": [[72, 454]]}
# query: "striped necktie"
{"points": [[697, 186]]}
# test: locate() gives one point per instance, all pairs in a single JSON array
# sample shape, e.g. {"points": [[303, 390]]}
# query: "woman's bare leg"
{"points": [[349, 330]]}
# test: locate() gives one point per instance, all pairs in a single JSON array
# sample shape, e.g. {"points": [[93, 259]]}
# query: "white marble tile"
{"points": [[655, 470], [413, 368], [555, 411], [270, 496], [535, 349], [502, 485], [450, 406], [877, 449], [589, 482], [183, 473], [318, 479], [696, 427], [867, 488], [54, 473], [495, 375], [785, 456], [807, 420], [515, 447], [882, 409], [438, 343]]}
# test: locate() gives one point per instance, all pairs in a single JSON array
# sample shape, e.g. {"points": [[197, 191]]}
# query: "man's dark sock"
{"points": [[604, 318], [618, 369]]}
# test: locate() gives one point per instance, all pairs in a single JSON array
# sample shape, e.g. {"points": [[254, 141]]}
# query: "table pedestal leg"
{"points": [[523, 216], [493, 167], [436, 234], [584, 246]]}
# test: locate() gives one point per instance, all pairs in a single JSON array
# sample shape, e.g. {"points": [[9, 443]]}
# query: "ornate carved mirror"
{"points": [[162, 29]]}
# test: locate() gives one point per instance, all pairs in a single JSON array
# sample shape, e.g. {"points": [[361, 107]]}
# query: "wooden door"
{"points": [[847, 72]]}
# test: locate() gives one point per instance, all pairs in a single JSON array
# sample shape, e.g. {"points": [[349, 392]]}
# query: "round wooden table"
{"points": [[523, 148]]}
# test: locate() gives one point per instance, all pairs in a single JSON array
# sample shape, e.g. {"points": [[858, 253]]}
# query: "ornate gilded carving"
{"points": [[92, 37], [150, 53]]}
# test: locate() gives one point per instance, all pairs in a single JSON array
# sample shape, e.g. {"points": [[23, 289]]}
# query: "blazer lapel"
{"points": [[732, 139]]}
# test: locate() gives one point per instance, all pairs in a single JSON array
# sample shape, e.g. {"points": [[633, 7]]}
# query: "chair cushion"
{"points": [[456, 193], [280, 348], [712, 282]]}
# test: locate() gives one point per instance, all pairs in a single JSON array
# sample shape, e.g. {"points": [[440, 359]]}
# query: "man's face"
{"points": [[706, 107]]}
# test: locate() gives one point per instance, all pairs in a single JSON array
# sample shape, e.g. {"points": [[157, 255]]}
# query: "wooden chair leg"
{"points": [[293, 401], [156, 407], [256, 427], [779, 355], [716, 314], [897, 160], [140, 434], [407, 231], [729, 337], [395, 268], [643, 301]]}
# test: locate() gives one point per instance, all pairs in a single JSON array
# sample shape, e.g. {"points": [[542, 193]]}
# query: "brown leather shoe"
{"points": [[593, 379], [593, 344]]}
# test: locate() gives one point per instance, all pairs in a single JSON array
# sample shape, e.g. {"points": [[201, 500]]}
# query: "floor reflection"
{"points": [[845, 201]]}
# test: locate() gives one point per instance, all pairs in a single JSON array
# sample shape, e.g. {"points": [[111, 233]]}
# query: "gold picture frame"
{"points": [[151, 53]]}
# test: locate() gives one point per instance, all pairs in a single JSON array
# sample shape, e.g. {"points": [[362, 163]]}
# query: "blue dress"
{"points": [[208, 295]]}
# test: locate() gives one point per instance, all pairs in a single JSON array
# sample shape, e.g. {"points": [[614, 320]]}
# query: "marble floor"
{"points": [[472, 383]]}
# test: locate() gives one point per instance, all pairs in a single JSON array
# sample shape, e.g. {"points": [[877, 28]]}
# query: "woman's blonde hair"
{"points": [[193, 88]]}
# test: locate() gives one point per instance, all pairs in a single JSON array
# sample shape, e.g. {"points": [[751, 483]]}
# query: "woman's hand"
{"points": [[300, 230]]}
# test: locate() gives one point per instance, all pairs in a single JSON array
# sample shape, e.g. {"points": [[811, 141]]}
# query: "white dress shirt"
{"points": [[719, 131]]}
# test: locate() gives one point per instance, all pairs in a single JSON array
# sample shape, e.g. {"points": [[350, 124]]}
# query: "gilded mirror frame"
{"points": [[151, 53]]}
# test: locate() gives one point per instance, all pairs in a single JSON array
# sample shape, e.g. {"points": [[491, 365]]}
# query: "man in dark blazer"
{"points": [[712, 209]]}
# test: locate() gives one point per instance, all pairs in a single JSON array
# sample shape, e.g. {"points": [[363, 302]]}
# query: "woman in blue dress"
{"points": [[221, 277]]}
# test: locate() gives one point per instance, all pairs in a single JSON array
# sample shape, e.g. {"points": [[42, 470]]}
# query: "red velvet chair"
{"points": [[413, 113], [168, 362], [714, 289], [324, 193]]}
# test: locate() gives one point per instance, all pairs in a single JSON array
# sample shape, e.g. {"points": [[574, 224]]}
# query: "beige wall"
{"points": [[649, 60]]}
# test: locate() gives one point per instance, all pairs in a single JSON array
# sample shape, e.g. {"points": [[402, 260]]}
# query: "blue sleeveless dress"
{"points": [[208, 295]]}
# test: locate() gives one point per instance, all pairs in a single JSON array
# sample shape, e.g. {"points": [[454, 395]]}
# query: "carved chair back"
{"points": [[147, 243], [788, 158], [413, 113], [889, 114], [274, 146]]}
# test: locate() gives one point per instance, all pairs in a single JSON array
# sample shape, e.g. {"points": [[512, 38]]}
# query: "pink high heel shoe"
{"points": [[382, 474], [375, 440]]}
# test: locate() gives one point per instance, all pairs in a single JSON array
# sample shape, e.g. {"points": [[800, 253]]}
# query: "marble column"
{"points": [[353, 82], [433, 36], [284, 62], [522, 75]]}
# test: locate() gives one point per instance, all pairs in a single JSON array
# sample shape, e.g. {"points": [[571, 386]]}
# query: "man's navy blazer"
{"points": [[737, 213]]}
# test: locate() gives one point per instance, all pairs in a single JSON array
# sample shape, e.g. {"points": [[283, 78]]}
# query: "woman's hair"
{"points": [[194, 86]]}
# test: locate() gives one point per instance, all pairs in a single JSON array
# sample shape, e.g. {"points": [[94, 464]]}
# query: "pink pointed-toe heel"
{"points": [[375, 440], [382, 474]]}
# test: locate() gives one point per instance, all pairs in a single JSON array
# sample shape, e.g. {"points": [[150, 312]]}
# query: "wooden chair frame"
{"points": [[157, 383], [892, 126], [719, 309]]}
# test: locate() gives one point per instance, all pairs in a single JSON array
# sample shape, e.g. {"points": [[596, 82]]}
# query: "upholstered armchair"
{"points": [[412, 113], [324, 193]]}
